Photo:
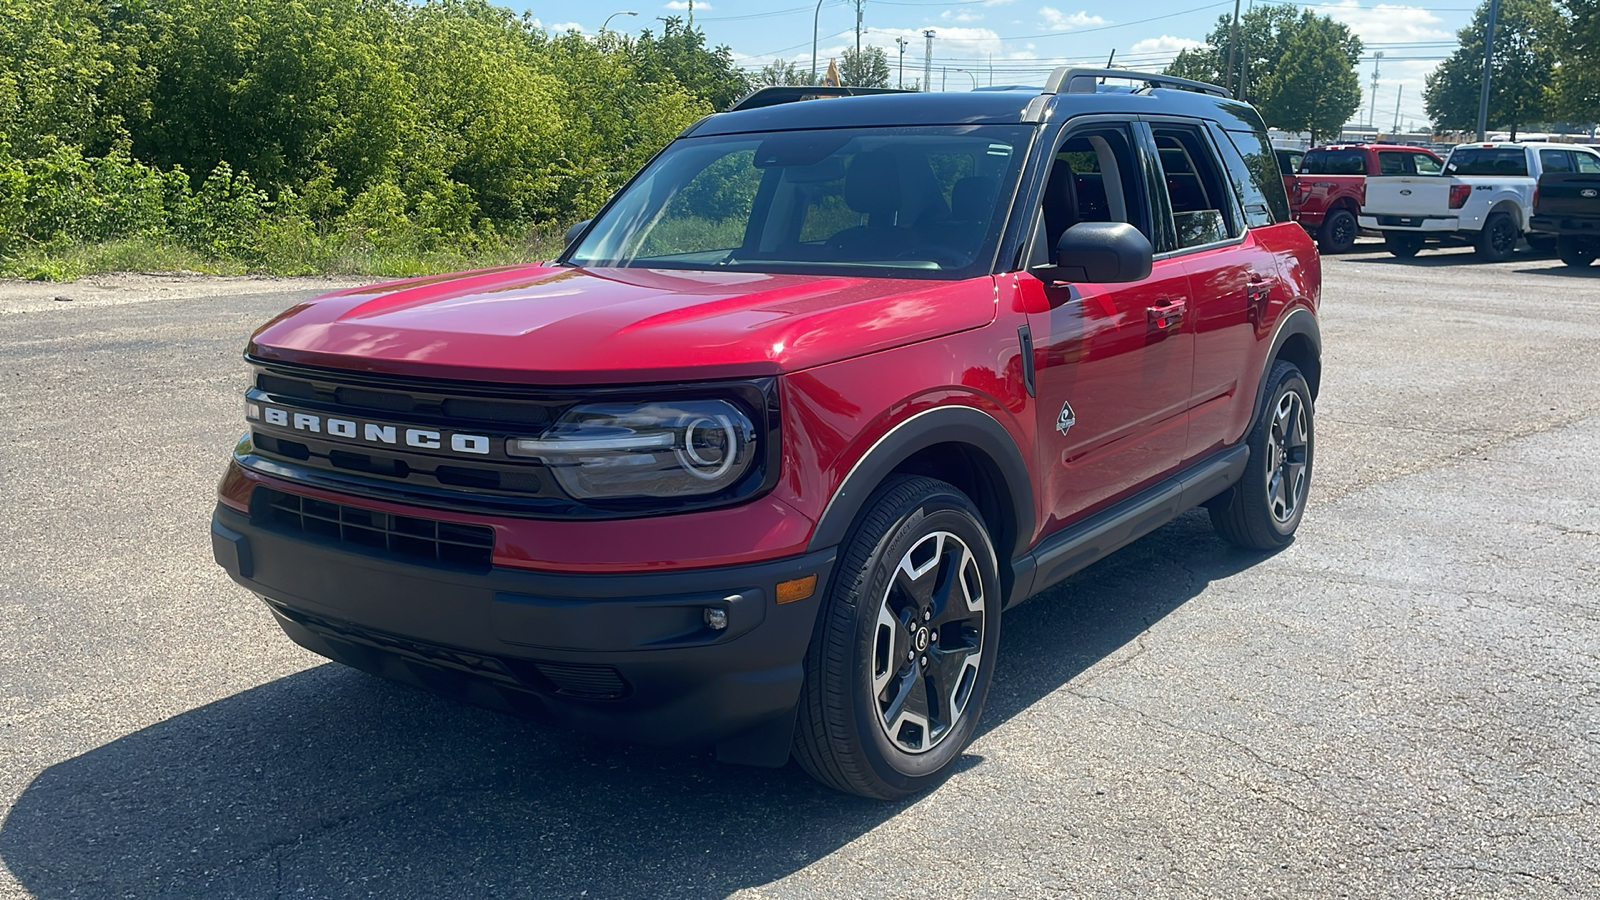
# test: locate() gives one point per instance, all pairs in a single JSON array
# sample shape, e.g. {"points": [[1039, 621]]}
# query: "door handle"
{"points": [[1259, 290], [1169, 314]]}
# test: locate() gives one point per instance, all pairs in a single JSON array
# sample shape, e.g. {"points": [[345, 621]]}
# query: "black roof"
{"points": [[797, 108]]}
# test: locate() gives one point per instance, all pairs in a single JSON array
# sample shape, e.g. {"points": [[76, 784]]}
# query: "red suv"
{"points": [[1332, 186], [758, 463]]}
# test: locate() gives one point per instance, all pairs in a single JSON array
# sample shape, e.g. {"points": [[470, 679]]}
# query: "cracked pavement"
{"points": [[1405, 702]]}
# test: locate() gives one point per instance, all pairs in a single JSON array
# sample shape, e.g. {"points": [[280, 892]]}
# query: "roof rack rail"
{"points": [[773, 96], [1068, 80]]}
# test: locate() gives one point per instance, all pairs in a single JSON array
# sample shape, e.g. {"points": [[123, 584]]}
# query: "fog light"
{"points": [[796, 589], [716, 619]]}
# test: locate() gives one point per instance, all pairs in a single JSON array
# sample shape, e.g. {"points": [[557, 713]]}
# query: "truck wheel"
{"points": [[1498, 238], [1262, 511], [1577, 252], [1403, 244], [1338, 233], [901, 659]]}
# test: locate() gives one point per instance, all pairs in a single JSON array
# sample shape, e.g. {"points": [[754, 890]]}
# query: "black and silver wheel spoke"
{"points": [[927, 641], [1288, 450]]}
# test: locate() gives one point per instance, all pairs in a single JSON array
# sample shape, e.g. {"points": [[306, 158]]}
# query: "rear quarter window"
{"points": [[1487, 161], [1260, 184]]}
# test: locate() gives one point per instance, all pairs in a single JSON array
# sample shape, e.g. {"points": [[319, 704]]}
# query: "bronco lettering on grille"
{"points": [[369, 432]]}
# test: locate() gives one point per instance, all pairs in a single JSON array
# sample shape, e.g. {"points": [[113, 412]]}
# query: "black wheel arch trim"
{"points": [[1300, 321], [940, 425]]}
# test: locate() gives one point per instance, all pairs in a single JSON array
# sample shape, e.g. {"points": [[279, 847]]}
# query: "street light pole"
{"points": [[1488, 59], [815, 17], [969, 74], [901, 43], [607, 22]]}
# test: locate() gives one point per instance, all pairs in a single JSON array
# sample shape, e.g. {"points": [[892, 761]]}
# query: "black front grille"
{"points": [[406, 537]]}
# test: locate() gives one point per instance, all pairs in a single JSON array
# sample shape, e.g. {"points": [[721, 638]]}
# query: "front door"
{"points": [[1113, 361]]}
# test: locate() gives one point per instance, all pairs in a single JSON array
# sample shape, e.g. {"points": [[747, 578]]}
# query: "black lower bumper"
{"points": [[1578, 226], [626, 656]]}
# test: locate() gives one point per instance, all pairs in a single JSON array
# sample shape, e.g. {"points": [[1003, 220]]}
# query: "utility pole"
{"points": [[1233, 44], [1397, 95], [858, 31], [1488, 60], [1372, 116], [927, 62], [944, 78], [901, 43]]}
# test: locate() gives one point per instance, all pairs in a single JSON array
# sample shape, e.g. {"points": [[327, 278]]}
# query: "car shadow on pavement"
{"points": [[331, 783], [1563, 271]]}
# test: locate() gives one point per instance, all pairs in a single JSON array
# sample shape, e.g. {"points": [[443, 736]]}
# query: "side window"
{"points": [[1203, 210], [1425, 164], [1588, 163], [1393, 162], [1095, 178], [1555, 160], [1250, 184]]}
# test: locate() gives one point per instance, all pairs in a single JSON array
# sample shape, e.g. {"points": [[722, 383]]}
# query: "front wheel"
{"points": [[1403, 244], [1263, 510], [1579, 253], [1338, 234], [902, 657], [1498, 239]]}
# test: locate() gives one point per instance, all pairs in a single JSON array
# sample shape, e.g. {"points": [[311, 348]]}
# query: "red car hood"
{"points": [[556, 325]]}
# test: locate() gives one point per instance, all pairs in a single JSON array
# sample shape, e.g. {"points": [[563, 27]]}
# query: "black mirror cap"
{"points": [[1103, 253], [574, 231]]}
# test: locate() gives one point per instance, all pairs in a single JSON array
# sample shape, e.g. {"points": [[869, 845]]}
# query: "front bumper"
{"points": [[625, 656]]}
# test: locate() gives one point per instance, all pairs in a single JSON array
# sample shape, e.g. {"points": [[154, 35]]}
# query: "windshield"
{"points": [[912, 202], [1487, 161]]}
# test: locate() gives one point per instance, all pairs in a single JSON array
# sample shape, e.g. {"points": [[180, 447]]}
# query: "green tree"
{"points": [[681, 52], [1577, 87], [780, 72], [1527, 36], [1313, 86], [1263, 40], [869, 68]]}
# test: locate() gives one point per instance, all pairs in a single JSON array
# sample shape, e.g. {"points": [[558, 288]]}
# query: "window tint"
{"points": [[1203, 210], [1555, 160], [1588, 163], [1335, 162], [1289, 161], [1257, 152], [1487, 161], [1393, 162], [1095, 178], [1253, 184], [1425, 164]]}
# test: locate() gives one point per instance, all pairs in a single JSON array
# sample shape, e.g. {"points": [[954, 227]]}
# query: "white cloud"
{"points": [[1163, 44], [1399, 79], [682, 5], [961, 16], [564, 27], [1055, 19]]}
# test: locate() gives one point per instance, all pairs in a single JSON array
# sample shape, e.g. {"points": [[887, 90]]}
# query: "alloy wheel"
{"points": [[1287, 453], [928, 642]]}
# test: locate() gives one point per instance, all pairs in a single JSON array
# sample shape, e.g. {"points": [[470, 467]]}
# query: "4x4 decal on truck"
{"points": [[1067, 419]]}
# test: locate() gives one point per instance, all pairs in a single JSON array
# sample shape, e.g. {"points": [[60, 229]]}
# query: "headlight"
{"points": [[676, 449]]}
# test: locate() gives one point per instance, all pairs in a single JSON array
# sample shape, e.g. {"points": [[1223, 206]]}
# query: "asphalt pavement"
{"points": [[1405, 702]]}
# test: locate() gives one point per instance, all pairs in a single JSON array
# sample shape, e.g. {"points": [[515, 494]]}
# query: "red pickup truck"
{"points": [[1332, 185]]}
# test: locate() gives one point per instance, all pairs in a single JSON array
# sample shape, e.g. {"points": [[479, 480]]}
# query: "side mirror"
{"points": [[574, 231], [1102, 253]]}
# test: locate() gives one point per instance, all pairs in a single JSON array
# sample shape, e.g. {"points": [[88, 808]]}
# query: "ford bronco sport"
{"points": [[758, 463]]}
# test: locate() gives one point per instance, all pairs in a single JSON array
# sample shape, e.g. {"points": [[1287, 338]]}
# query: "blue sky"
{"points": [[1019, 41]]}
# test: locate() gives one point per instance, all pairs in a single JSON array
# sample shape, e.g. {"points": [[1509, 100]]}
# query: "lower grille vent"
{"points": [[408, 537]]}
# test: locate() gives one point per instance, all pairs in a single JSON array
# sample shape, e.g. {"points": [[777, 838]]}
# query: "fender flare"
{"points": [[1299, 321], [940, 425]]}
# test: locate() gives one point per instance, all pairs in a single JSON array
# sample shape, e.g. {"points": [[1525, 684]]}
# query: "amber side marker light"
{"points": [[796, 589]]}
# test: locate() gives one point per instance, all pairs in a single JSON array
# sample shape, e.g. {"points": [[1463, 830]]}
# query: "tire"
{"points": [[1541, 243], [1403, 244], [1263, 510], [873, 721], [1498, 239], [1578, 253], [1338, 232]]}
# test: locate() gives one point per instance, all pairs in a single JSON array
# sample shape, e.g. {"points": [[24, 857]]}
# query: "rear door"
{"points": [[1231, 275], [1113, 361]]}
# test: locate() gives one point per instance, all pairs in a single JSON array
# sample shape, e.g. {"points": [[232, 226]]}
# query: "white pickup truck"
{"points": [[1484, 198]]}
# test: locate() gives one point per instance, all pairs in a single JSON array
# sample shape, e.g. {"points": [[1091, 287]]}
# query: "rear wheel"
{"points": [[1263, 510], [1403, 244], [1579, 253], [1338, 233], [901, 660], [1498, 239]]}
